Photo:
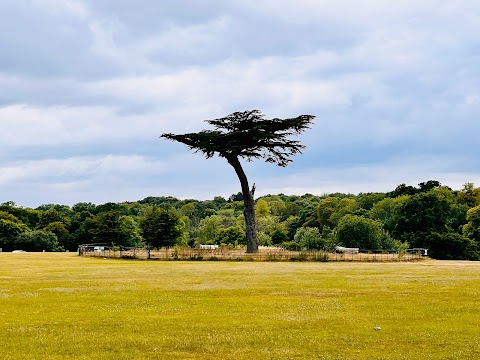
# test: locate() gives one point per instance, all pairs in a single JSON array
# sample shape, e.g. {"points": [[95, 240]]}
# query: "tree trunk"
{"points": [[249, 205]]}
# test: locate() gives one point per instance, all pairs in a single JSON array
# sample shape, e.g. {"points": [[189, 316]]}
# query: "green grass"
{"points": [[61, 306]]}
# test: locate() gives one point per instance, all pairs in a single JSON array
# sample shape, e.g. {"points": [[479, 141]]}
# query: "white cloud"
{"points": [[380, 76], [364, 14], [375, 177], [24, 125], [77, 8], [184, 40], [78, 167]]}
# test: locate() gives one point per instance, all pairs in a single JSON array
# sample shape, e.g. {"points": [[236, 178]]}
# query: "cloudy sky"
{"points": [[87, 87]]}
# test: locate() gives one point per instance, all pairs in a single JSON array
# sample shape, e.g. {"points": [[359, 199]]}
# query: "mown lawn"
{"points": [[61, 306]]}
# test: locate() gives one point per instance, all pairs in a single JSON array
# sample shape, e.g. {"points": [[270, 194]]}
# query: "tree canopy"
{"points": [[248, 135], [445, 221]]}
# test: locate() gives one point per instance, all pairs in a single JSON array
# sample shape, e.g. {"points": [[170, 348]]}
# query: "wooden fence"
{"points": [[225, 254]]}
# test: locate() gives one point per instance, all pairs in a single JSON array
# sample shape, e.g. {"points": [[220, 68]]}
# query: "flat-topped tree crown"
{"points": [[248, 135]]}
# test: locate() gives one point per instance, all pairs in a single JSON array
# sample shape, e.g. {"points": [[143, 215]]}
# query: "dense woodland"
{"points": [[432, 216]]}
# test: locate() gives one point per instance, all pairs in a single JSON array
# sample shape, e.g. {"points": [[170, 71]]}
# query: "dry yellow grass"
{"points": [[61, 306]]}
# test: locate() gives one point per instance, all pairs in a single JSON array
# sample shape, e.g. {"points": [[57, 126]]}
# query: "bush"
{"points": [[359, 232], [38, 240], [309, 238], [291, 245]]}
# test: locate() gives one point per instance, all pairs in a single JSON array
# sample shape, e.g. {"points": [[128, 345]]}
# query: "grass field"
{"points": [[61, 306]]}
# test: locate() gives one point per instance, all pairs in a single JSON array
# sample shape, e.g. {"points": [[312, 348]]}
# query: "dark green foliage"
{"points": [[105, 228], [293, 226], [7, 216], [346, 206], [325, 209], [236, 197], [130, 231], [423, 187], [28, 216], [232, 235], [51, 215], [469, 195], [279, 236], [160, 227], [403, 189], [421, 215], [37, 240], [85, 234], [161, 201], [9, 231], [429, 185], [248, 135], [121, 209], [359, 232], [62, 234], [439, 219], [472, 228], [387, 211], [366, 201], [84, 207], [309, 238], [451, 246]]}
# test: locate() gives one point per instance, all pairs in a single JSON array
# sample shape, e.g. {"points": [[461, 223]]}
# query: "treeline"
{"points": [[432, 216]]}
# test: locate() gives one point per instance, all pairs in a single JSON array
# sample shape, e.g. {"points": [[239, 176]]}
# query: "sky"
{"points": [[87, 87]]}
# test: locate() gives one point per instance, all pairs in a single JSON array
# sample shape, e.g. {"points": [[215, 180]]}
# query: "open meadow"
{"points": [[62, 306]]}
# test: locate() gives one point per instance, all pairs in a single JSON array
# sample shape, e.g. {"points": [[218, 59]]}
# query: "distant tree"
{"points": [[160, 227], [367, 201], [9, 231], [425, 220], [130, 231], [346, 206], [450, 245], [278, 236], [188, 209], [85, 232], [51, 215], [403, 189], [469, 195], [121, 209], [429, 185], [277, 207], [106, 228], [387, 211], [325, 210], [423, 187], [207, 230], [232, 235], [262, 208], [360, 232], [248, 135], [472, 228], [422, 214], [28, 216], [37, 240], [63, 235], [292, 208], [308, 238], [84, 207], [236, 197], [7, 216]]}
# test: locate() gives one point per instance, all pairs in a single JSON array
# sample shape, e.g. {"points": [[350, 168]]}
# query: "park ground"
{"points": [[62, 306]]}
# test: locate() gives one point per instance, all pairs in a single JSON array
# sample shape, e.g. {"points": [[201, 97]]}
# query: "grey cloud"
{"points": [[92, 79]]}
